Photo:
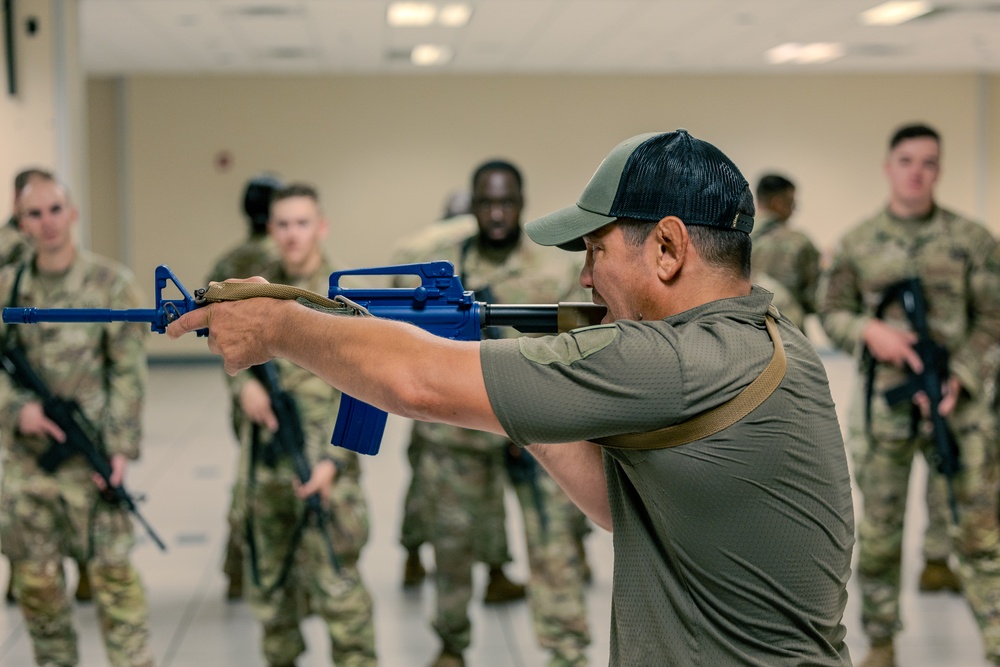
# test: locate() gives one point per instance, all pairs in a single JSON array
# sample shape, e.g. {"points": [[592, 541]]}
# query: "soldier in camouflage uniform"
{"points": [[490, 538], [282, 595], [785, 254], [465, 468], [245, 260], [14, 247], [959, 265], [45, 517]]}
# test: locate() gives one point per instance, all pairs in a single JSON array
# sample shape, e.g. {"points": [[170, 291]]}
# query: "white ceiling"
{"points": [[527, 36]]}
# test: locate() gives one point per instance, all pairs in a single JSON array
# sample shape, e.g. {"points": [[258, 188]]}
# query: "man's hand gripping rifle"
{"points": [[289, 443], [81, 436], [934, 358], [439, 305]]}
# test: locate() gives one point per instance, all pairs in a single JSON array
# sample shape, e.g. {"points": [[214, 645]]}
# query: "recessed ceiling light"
{"points": [[411, 14], [896, 12], [455, 15], [425, 55], [804, 54]]}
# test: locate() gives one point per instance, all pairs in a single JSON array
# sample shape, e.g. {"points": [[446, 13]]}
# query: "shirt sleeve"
{"points": [[581, 385]]}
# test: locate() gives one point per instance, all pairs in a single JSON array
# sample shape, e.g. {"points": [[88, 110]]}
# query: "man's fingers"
{"points": [[190, 321], [912, 359], [52, 430]]}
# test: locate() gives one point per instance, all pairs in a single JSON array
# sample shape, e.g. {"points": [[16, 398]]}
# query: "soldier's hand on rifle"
{"points": [[950, 389], [32, 421], [323, 474], [256, 404], [118, 465], [891, 345]]}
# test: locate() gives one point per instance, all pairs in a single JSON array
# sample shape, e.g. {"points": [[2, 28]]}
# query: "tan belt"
{"points": [[720, 417]]}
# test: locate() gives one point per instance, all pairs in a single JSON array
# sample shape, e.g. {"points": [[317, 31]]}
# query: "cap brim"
{"points": [[566, 227]]}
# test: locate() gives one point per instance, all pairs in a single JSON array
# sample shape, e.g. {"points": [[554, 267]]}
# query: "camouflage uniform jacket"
{"points": [[960, 270], [317, 401], [101, 365], [246, 259], [789, 257], [13, 245], [527, 273]]}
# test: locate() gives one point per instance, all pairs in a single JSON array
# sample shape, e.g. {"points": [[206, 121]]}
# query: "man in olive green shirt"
{"points": [[733, 549]]}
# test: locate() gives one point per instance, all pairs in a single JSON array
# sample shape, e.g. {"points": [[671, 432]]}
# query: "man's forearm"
{"points": [[392, 365], [578, 467]]}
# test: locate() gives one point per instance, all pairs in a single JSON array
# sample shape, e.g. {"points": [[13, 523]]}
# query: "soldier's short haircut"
{"points": [[718, 247], [295, 190], [913, 131], [25, 175], [770, 185], [497, 165]]}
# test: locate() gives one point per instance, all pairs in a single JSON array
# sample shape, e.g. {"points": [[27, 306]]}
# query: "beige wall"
{"points": [[384, 151], [43, 124], [28, 119]]}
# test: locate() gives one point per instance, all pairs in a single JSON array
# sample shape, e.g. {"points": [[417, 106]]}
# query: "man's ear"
{"points": [[672, 243]]}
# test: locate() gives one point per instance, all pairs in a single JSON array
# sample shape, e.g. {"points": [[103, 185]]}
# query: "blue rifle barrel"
{"points": [[36, 315]]}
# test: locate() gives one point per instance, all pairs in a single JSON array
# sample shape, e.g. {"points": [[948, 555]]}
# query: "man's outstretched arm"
{"points": [[392, 365]]}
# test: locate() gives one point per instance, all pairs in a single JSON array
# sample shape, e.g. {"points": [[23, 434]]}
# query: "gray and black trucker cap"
{"points": [[649, 177]]}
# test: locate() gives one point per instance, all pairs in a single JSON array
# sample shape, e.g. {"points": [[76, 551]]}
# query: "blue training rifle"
{"points": [[439, 305]]}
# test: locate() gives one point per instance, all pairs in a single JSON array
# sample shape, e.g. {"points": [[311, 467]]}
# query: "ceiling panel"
{"points": [[543, 36]]}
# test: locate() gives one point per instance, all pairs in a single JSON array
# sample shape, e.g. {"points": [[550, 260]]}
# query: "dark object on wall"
{"points": [[8, 40]]}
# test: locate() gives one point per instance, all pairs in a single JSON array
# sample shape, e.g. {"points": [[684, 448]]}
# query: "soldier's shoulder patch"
{"points": [[569, 347]]}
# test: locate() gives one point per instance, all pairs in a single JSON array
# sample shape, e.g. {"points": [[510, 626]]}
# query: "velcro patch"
{"points": [[570, 347]]}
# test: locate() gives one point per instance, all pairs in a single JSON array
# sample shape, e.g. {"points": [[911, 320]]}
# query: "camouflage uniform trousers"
{"points": [[490, 539], [41, 524], [882, 468], [461, 479], [312, 586], [556, 589]]}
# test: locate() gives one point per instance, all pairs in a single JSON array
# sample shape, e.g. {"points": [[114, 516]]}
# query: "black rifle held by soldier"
{"points": [[82, 438], [288, 442], [934, 357]]}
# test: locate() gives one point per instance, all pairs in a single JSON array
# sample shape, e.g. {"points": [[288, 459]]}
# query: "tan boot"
{"points": [[448, 659], [83, 593], [502, 589], [880, 655], [937, 576], [413, 571]]}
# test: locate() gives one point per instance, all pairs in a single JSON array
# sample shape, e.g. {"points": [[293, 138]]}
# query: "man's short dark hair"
{"points": [[770, 185], [295, 190], [22, 178], [497, 165], [721, 248], [913, 131]]}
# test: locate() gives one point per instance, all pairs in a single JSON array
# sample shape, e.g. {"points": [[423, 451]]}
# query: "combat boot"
{"points": [[413, 571], [881, 654], [10, 587], [448, 659], [588, 576], [83, 593], [502, 589], [937, 576]]}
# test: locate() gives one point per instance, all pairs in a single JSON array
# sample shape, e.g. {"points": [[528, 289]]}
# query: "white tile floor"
{"points": [[185, 473]]}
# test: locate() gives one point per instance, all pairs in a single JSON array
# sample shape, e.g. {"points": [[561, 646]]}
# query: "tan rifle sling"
{"points": [[720, 417]]}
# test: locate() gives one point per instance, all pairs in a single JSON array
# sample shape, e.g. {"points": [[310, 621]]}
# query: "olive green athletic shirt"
{"points": [[732, 550]]}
